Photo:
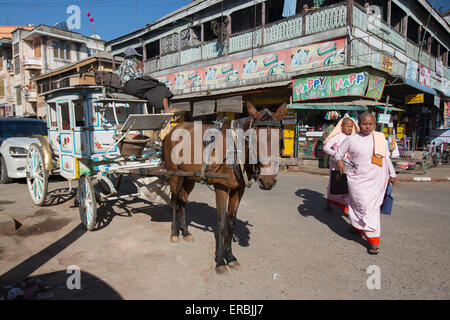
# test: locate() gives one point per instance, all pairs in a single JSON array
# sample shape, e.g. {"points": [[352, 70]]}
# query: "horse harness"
{"points": [[238, 166]]}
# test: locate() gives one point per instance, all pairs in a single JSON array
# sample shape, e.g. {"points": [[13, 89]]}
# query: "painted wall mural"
{"points": [[279, 62]]}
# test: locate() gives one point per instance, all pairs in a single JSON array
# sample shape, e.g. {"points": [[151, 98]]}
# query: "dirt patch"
{"points": [[6, 202], [49, 225], [44, 212]]}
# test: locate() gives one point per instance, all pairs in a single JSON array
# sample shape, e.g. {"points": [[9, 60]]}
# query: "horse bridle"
{"points": [[257, 124]]}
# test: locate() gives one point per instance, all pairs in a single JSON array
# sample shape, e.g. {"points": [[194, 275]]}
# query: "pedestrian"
{"points": [[367, 178], [135, 83], [345, 127]]}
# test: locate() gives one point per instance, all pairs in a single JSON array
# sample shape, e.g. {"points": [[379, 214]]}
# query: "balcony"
{"points": [[30, 95], [32, 63]]}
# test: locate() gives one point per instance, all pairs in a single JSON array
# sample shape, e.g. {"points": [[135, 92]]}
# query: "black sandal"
{"points": [[373, 249]]}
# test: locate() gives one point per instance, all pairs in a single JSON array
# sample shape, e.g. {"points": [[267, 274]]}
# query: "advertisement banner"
{"points": [[376, 85], [314, 87], [278, 62], [353, 84], [386, 64], [359, 84], [439, 67], [411, 70], [425, 76], [414, 98], [447, 115]]}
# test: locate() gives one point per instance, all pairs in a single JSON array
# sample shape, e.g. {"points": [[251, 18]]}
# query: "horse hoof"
{"points": [[221, 269], [234, 265], [174, 239], [188, 238]]}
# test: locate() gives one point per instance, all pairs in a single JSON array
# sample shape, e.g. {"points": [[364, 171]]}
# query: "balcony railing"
{"points": [[326, 19], [245, 41], [284, 30], [32, 63]]}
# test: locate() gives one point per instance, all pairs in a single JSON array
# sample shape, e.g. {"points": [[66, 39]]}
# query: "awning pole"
{"points": [[385, 111]]}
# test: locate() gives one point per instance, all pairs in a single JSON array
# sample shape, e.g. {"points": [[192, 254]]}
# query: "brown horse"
{"points": [[229, 191]]}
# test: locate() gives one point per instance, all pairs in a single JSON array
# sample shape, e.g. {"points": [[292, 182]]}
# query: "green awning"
{"points": [[326, 107], [391, 109]]}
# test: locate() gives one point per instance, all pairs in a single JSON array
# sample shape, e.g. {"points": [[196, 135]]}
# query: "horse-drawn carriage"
{"points": [[99, 138]]}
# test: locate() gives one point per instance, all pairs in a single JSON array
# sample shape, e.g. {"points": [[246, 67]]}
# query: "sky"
{"points": [[112, 18]]}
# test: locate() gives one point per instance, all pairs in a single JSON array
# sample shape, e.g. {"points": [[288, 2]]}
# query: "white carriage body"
{"points": [[81, 125]]}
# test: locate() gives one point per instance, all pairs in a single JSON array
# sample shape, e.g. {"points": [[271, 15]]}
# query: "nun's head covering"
{"points": [[338, 129]]}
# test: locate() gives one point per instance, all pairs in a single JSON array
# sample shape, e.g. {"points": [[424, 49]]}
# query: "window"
{"points": [[65, 116], [169, 44], [79, 113], [152, 49], [18, 96], [16, 65], [2, 87], [21, 128], [244, 19], [413, 30], [378, 8], [434, 47], [52, 115], [61, 50], [37, 48], [16, 49], [397, 16]]}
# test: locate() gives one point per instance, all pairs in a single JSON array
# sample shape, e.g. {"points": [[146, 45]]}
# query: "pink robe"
{"points": [[367, 184], [331, 148]]}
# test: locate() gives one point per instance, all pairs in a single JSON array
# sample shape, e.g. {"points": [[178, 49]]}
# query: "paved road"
{"points": [[288, 245]]}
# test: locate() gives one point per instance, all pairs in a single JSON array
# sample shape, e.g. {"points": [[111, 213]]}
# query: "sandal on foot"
{"points": [[373, 249]]}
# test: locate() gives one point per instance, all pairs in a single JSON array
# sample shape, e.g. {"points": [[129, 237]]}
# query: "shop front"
{"points": [[423, 117], [321, 100]]}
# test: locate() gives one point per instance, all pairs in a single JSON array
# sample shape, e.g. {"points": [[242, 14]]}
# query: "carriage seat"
{"points": [[109, 80]]}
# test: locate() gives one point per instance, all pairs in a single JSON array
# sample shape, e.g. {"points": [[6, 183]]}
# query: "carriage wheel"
{"points": [[37, 176], [87, 202]]}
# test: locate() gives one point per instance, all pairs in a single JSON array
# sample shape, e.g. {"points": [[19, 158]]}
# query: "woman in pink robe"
{"points": [[344, 128], [367, 182]]}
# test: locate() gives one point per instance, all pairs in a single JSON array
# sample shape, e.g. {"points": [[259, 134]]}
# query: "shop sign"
{"points": [[384, 118], [376, 86], [386, 64], [439, 67], [312, 88], [338, 85], [353, 84], [447, 115], [411, 70], [414, 98], [445, 86], [425, 76], [437, 101]]}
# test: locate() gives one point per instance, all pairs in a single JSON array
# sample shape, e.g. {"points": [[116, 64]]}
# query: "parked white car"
{"points": [[15, 138]]}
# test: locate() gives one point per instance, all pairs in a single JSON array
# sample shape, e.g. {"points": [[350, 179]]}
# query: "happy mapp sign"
{"points": [[339, 85]]}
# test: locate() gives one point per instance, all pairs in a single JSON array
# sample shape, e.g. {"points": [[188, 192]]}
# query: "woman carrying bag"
{"points": [[346, 126], [367, 180]]}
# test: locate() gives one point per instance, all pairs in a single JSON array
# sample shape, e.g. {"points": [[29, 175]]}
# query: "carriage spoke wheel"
{"points": [[37, 176], [87, 202]]}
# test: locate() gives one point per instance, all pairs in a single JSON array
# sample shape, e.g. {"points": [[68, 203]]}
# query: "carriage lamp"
{"points": [[17, 152]]}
